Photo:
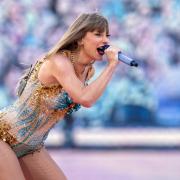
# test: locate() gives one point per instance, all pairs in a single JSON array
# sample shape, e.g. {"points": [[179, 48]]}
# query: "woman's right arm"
{"points": [[63, 71]]}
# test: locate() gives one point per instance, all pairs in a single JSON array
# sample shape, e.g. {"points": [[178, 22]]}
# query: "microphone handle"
{"points": [[126, 59]]}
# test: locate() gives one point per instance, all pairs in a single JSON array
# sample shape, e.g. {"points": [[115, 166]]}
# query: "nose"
{"points": [[105, 39]]}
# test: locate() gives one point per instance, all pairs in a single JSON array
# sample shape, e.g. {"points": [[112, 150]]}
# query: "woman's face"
{"points": [[93, 40]]}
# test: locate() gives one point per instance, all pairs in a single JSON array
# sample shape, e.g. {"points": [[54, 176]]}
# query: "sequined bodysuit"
{"points": [[25, 124]]}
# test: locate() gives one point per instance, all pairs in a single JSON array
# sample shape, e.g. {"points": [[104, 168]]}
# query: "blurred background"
{"points": [[132, 132]]}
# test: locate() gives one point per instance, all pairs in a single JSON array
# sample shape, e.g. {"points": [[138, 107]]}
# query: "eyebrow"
{"points": [[102, 32]]}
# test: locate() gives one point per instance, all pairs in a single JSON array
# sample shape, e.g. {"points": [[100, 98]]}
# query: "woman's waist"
{"points": [[19, 127], [16, 135]]}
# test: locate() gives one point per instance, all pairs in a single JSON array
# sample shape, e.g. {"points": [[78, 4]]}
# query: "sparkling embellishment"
{"points": [[34, 114], [4, 135]]}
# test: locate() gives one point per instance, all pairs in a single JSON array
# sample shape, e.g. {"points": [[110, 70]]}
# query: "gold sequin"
{"points": [[34, 113], [5, 135]]}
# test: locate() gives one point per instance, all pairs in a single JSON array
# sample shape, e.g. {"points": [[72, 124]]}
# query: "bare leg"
{"points": [[9, 165], [41, 166]]}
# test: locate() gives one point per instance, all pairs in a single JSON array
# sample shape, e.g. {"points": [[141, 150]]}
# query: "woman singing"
{"points": [[55, 86]]}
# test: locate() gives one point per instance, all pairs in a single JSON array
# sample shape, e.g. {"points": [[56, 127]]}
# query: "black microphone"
{"points": [[121, 56]]}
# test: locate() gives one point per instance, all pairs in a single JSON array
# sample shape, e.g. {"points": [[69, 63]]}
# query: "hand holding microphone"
{"points": [[121, 56]]}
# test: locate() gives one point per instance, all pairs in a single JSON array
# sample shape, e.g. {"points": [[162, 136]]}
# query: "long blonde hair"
{"points": [[83, 24]]}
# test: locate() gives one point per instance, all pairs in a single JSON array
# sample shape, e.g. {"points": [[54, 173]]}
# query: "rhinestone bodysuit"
{"points": [[26, 123]]}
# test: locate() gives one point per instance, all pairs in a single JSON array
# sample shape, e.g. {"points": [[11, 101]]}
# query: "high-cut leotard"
{"points": [[26, 123]]}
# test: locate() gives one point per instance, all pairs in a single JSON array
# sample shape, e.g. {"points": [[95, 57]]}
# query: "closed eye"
{"points": [[97, 34]]}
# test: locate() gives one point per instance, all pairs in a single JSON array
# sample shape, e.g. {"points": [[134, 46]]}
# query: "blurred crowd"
{"points": [[146, 30]]}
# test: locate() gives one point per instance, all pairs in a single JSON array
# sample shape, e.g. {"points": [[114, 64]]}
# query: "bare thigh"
{"points": [[9, 164], [41, 166]]}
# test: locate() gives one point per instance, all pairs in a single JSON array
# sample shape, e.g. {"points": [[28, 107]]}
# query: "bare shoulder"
{"points": [[53, 66], [59, 62], [60, 67]]}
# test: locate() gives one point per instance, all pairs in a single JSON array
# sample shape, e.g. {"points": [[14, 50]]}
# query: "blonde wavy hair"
{"points": [[84, 23]]}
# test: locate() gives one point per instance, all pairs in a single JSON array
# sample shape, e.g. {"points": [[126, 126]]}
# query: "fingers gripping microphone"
{"points": [[121, 56]]}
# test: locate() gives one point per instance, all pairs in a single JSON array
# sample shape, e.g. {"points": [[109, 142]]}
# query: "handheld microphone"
{"points": [[121, 56]]}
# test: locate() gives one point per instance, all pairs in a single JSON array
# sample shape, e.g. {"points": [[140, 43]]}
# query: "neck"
{"points": [[80, 61]]}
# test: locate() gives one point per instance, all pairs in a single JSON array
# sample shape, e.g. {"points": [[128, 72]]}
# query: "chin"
{"points": [[99, 57]]}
